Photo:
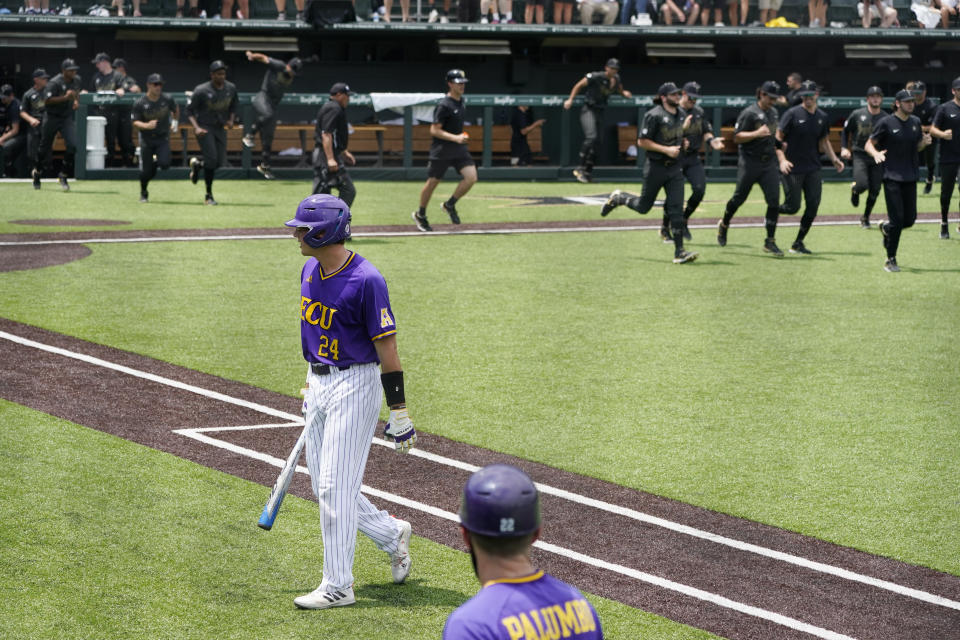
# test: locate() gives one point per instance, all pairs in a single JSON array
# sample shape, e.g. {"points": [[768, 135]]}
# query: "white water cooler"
{"points": [[96, 147]]}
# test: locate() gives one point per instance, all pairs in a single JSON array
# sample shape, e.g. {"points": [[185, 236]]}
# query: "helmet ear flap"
{"points": [[327, 217]]}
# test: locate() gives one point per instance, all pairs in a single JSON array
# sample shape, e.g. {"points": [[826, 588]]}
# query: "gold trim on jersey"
{"points": [[383, 335], [342, 267], [531, 578]]}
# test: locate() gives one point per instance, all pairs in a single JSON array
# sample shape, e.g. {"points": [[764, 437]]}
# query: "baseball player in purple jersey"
{"points": [[347, 329], [500, 520]]}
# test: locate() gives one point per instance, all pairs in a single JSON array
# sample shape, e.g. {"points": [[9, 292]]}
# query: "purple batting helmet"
{"points": [[500, 501], [327, 217]]}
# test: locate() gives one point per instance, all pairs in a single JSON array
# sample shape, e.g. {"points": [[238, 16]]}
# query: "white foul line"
{"points": [[686, 590], [546, 489]]}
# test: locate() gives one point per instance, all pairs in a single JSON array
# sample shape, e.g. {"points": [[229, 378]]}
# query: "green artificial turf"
{"points": [[815, 393], [104, 538]]}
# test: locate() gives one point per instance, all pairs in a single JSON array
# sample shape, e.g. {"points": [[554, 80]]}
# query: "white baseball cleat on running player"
{"points": [[400, 561], [320, 598]]}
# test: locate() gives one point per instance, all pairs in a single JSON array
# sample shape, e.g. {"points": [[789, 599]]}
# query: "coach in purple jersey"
{"points": [[347, 329], [500, 520]]}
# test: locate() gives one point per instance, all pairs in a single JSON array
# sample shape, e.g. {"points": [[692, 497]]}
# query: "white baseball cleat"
{"points": [[320, 598], [400, 561]]}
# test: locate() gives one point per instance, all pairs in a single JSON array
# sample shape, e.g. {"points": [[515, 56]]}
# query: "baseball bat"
{"points": [[280, 487]]}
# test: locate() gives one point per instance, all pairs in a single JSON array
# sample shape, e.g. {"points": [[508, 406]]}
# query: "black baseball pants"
{"points": [[10, 152], [948, 179], [265, 123], [693, 171], [766, 173], [590, 119], [867, 176], [656, 176], [48, 131], [929, 157], [901, 198], [150, 147], [810, 186], [324, 180]]}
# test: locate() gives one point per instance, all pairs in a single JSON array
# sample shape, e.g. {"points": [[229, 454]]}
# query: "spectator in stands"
{"points": [[193, 12], [562, 11], [927, 13], [11, 140], [683, 11], [404, 10], [522, 121], [608, 10], [31, 113], [533, 12], [38, 6], [744, 6], [243, 9], [443, 15], [947, 8], [717, 9], [631, 9], [925, 110], [768, 10], [817, 9], [505, 14], [282, 9], [881, 10]]}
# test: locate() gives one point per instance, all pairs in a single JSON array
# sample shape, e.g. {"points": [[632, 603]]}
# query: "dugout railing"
{"points": [[559, 144]]}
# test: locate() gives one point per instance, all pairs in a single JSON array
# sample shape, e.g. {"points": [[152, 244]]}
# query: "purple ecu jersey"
{"points": [[538, 606], [343, 312]]}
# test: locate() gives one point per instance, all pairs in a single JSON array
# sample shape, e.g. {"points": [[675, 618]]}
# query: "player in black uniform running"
{"points": [[661, 136], [925, 110], [60, 101], [867, 174], [946, 127], [448, 149], [31, 114], [754, 132], [276, 82], [897, 141], [597, 87], [330, 146], [212, 105], [154, 116], [804, 131], [697, 131], [11, 127]]}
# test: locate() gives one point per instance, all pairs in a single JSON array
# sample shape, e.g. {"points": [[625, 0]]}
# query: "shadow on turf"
{"points": [[410, 594]]}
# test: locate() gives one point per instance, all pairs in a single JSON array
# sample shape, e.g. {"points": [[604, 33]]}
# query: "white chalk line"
{"points": [[792, 623], [439, 232], [296, 420]]}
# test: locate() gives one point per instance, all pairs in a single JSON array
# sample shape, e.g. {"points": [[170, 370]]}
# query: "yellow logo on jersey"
{"points": [[557, 621], [310, 278], [308, 308], [385, 319]]}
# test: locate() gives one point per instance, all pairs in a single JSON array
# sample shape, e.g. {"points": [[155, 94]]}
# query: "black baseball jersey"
{"points": [[858, 127], [925, 111], [32, 102], [161, 110], [276, 81], [520, 120], [900, 139], [802, 132], [10, 115], [947, 118], [449, 115], [332, 119], [751, 119], [56, 87], [107, 81], [694, 134], [212, 107], [599, 87], [793, 98], [662, 127], [127, 82]]}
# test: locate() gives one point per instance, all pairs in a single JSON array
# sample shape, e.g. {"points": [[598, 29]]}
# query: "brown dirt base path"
{"points": [[835, 607]]}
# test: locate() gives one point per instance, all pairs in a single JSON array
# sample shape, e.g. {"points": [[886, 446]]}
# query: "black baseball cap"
{"points": [[119, 62], [295, 64], [6, 90], [956, 83], [807, 88], [340, 87], [100, 57], [692, 89], [68, 64], [457, 76], [905, 96], [919, 86], [874, 91], [154, 78], [40, 73], [216, 65], [613, 63], [770, 88], [667, 88]]}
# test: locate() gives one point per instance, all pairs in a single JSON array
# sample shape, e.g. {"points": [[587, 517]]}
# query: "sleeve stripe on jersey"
{"points": [[383, 335]]}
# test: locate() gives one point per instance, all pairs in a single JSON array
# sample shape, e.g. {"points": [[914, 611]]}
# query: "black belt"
{"points": [[324, 369]]}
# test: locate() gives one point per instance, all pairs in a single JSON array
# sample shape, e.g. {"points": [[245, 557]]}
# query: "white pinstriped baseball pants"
{"points": [[342, 408]]}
